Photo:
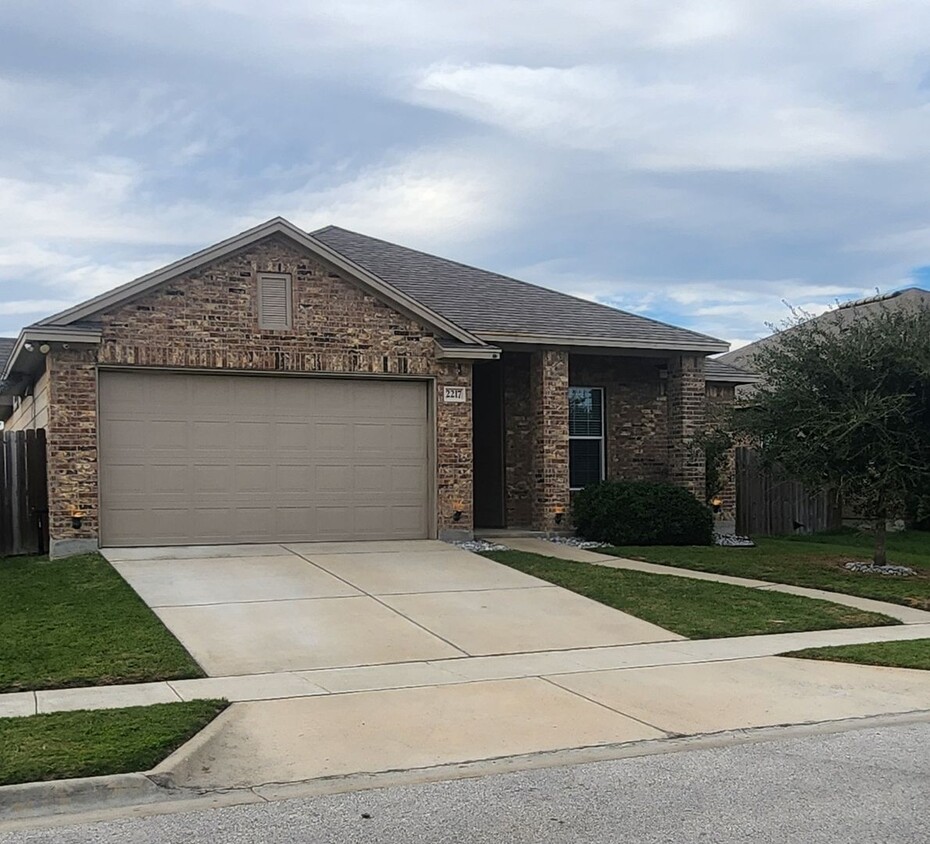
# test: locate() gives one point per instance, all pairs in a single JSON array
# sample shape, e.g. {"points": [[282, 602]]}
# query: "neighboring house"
{"points": [[283, 386], [911, 297], [783, 505]]}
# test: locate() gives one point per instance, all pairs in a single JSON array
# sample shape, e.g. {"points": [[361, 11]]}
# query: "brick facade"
{"points": [[71, 438], [645, 402], [549, 409], [636, 410], [518, 439], [208, 320], [686, 422]]}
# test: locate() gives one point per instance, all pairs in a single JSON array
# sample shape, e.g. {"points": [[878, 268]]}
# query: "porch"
{"points": [[547, 422]]}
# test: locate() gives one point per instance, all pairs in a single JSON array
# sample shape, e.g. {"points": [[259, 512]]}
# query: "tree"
{"points": [[845, 403]]}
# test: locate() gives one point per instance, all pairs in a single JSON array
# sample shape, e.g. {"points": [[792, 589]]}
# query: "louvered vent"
{"points": [[274, 301]]}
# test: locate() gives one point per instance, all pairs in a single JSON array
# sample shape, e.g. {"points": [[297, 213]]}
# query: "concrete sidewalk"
{"points": [[336, 681], [906, 615]]}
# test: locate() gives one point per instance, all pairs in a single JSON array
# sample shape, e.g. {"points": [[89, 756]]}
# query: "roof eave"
{"points": [[45, 334], [482, 352], [748, 378], [707, 347], [277, 225]]}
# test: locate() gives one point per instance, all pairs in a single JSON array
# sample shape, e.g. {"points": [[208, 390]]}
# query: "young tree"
{"points": [[845, 402]]}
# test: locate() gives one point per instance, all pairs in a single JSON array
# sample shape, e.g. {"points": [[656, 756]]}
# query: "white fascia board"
{"points": [[710, 346]]}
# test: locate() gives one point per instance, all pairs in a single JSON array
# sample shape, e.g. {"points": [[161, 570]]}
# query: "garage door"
{"points": [[187, 459]]}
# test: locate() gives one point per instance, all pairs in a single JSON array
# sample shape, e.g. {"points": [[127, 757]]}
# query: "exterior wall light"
{"points": [[76, 518], [45, 348], [458, 507], [559, 514], [717, 503]]}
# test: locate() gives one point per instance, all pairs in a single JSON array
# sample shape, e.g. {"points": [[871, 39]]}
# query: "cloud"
{"points": [[427, 198], [699, 161], [735, 124]]}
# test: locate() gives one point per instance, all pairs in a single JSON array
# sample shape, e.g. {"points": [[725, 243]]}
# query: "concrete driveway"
{"points": [[254, 609], [357, 659]]}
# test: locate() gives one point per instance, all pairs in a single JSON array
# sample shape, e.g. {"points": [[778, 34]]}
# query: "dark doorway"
{"points": [[488, 442]]}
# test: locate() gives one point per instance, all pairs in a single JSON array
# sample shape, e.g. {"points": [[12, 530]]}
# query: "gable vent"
{"points": [[274, 300]]}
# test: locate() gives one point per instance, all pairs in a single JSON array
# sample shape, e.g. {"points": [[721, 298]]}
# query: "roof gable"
{"points": [[133, 289], [498, 308]]}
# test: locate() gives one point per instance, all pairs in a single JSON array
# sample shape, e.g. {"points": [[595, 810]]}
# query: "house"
{"points": [[910, 297], [284, 386]]}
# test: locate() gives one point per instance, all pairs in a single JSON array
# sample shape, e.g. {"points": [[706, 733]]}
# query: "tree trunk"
{"points": [[880, 557]]}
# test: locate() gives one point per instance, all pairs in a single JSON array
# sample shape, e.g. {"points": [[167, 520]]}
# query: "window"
{"points": [[274, 301], [585, 436]]}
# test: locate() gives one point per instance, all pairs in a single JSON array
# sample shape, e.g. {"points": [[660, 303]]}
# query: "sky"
{"points": [[702, 162]]}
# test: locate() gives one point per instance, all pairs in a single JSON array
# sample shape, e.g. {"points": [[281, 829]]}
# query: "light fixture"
{"points": [[559, 514], [76, 517], [29, 347], [458, 508], [45, 348]]}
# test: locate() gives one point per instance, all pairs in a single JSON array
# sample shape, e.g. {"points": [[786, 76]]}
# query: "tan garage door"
{"points": [[187, 459]]}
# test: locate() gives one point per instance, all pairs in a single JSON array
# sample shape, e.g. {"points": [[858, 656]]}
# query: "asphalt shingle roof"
{"points": [[487, 303], [717, 370], [6, 349], [910, 297]]}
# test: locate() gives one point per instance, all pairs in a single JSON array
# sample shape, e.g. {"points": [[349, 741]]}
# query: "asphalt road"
{"points": [[860, 786]]}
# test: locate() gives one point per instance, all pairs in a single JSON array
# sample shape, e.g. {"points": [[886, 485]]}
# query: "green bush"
{"points": [[641, 513]]}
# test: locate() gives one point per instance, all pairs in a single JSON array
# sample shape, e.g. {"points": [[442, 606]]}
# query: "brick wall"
{"points": [[636, 411], [71, 438], [686, 405], [549, 407], [208, 319]]}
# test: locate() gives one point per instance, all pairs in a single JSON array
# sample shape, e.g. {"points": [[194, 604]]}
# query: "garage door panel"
{"points": [[257, 459]]}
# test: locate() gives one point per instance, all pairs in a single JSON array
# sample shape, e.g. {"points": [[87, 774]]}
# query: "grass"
{"points": [[814, 561], [76, 622], [912, 654], [697, 609], [61, 745]]}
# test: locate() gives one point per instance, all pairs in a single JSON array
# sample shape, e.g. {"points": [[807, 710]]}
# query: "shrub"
{"points": [[641, 513]]}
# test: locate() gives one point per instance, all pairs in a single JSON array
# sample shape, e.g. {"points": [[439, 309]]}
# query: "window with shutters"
{"points": [[274, 301]]}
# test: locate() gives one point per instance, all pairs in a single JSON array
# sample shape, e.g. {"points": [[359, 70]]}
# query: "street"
{"points": [[870, 785]]}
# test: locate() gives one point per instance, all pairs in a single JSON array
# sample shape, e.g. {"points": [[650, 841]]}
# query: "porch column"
{"points": [[686, 422], [549, 403]]}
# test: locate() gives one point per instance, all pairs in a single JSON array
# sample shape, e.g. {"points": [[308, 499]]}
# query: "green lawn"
{"points": [[912, 654], [76, 622], [62, 745], [814, 561], [697, 609]]}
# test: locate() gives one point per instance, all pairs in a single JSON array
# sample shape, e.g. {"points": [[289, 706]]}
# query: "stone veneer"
{"points": [[207, 319]]}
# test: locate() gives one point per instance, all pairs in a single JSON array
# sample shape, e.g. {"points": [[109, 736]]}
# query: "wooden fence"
{"points": [[23, 493], [769, 504]]}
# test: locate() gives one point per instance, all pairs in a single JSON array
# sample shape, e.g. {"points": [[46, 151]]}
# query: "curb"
{"points": [[41, 799]]}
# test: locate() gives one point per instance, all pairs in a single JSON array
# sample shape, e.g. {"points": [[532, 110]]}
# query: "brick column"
{"points": [[72, 450], [454, 454], [686, 422], [549, 404]]}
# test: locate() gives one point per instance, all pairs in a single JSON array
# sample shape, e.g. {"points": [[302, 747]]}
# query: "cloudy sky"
{"points": [[698, 161]]}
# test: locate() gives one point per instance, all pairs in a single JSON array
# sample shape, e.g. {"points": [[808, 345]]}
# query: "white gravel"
{"points": [[887, 571]]}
